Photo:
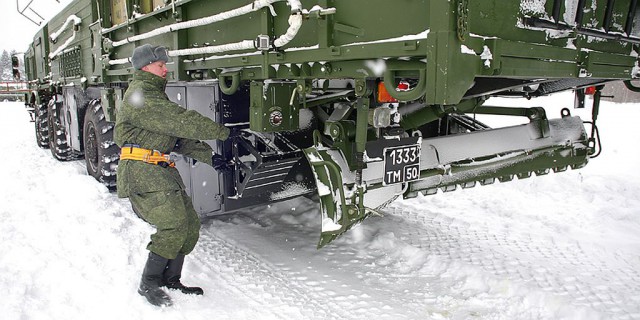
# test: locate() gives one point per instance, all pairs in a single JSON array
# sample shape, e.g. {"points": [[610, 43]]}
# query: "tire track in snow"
{"points": [[588, 276], [280, 292]]}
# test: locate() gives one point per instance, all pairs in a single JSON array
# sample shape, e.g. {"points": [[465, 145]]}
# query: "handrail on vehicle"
{"points": [[28, 6]]}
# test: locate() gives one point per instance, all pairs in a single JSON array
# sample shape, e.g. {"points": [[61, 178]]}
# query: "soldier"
{"points": [[148, 128]]}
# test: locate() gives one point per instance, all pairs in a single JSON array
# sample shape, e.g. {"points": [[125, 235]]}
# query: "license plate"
{"points": [[401, 164]]}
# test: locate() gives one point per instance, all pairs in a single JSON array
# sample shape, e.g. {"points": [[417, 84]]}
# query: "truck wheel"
{"points": [[100, 152], [57, 134], [42, 126]]}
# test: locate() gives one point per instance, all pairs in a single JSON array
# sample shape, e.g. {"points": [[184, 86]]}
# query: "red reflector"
{"points": [[383, 94], [590, 91], [403, 86]]}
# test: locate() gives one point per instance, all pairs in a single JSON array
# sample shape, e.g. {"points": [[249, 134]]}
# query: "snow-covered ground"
{"points": [[561, 246]]}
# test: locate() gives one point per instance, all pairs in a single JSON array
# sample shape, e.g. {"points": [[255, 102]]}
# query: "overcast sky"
{"points": [[17, 31]]}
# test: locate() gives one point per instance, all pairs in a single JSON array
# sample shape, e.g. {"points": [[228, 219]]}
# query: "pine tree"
{"points": [[6, 73], [2, 64]]}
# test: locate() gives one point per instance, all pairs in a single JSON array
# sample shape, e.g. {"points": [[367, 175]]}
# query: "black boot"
{"points": [[172, 277], [152, 281]]}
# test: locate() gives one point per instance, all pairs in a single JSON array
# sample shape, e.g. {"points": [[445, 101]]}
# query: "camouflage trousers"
{"points": [[177, 223]]}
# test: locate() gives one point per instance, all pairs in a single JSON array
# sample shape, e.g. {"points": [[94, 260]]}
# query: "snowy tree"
{"points": [[5, 66]]}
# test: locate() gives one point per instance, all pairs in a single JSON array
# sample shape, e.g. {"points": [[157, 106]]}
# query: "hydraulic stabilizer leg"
{"points": [[349, 184], [362, 125]]}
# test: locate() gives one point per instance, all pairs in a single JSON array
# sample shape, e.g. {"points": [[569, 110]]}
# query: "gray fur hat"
{"points": [[147, 54]]}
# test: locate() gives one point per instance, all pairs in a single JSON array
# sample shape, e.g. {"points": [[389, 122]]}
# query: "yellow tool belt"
{"points": [[145, 155]]}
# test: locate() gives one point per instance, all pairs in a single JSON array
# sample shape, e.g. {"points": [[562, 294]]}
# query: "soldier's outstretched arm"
{"points": [[195, 149], [165, 117]]}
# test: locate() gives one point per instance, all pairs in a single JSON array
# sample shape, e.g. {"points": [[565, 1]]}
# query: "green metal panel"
{"points": [[449, 37], [40, 52], [273, 108], [359, 30], [74, 59]]}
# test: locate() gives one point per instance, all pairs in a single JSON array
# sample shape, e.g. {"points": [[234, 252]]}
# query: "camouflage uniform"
{"points": [[148, 119]]}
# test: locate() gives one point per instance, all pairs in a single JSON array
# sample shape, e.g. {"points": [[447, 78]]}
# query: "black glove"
{"points": [[235, 132], [220, 163]]}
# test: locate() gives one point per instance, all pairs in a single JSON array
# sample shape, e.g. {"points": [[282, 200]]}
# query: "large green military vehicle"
{"points": [[357, 101]]}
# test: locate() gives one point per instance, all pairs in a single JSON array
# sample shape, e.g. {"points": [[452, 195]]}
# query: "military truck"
{"points": [[358, 102]]}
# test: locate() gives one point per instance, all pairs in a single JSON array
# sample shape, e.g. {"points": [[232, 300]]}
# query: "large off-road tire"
{"points": [[41, 124], [57, 134], [100, 152]]}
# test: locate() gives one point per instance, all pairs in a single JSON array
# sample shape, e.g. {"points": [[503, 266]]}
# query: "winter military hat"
{"points": [[147, 54]]}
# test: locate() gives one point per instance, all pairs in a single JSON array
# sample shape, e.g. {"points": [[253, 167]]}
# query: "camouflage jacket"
{"points": [[148, 119]]}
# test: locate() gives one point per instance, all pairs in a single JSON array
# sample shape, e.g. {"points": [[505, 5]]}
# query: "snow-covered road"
{"points": [[561, 246]]}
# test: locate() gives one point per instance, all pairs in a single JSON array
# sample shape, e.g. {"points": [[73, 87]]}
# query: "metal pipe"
{"points": [[255, 6]]}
